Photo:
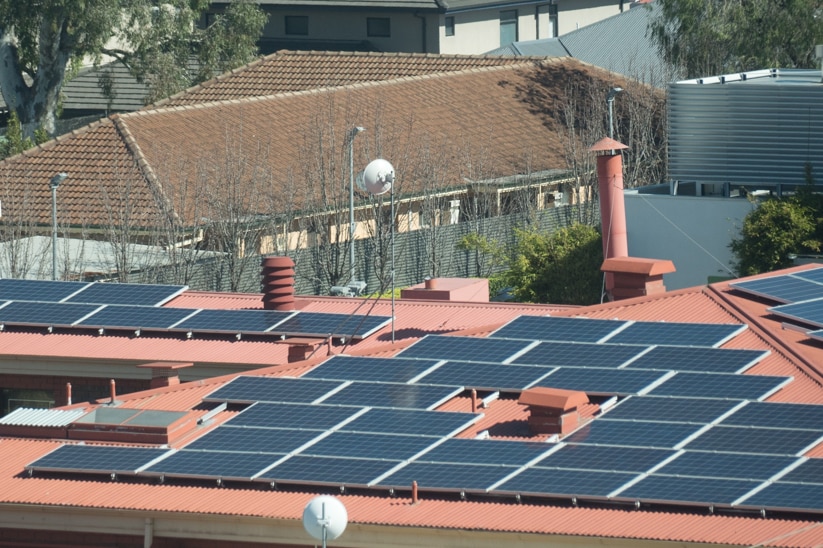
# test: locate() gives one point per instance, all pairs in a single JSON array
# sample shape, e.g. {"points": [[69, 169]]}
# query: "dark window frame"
{"points": [[449, 25], [302, 22], [378, 27]]}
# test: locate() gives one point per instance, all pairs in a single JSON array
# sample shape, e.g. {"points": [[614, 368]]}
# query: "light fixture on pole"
{"points": [[352, 134], [378, 178], [610, 101], [54, 183]]}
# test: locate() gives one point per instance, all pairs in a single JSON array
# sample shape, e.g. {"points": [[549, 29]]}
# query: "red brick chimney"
{"points": [[553, 410], [636, 277], [278, 283]]}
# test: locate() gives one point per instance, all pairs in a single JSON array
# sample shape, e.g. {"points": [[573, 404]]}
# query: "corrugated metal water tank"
{"points": [[756, 128]]}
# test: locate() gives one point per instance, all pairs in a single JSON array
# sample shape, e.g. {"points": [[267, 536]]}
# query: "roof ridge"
{"points": [[144, 166], [355, 85]]}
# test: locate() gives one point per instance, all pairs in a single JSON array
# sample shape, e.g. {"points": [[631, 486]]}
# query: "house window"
{"points": [[449, 26], [553, 19], [297, 25], [378, 27], [508, 27]]}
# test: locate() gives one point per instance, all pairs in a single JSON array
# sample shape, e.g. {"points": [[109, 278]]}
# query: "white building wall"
{"points": [[574, 14], [693, 232], [478, 31]]}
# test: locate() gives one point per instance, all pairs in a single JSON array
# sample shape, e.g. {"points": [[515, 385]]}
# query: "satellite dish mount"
{"points": [[378, 178]]}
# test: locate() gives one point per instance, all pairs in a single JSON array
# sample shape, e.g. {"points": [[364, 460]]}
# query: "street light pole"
{"points": [[610, 100], [352, 134], [54, 183]]}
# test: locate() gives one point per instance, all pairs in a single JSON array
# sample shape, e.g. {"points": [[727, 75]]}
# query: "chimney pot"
{"points": [[278, 283]]}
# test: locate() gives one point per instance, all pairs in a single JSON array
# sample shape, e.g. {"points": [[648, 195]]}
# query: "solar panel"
{"points": [[602, 381], [698, 359], [554, 328], [491, 452], [686, 489], [135, 317], [675, 333], [327, 470], [662, 435], [369, 446], [271, 389], [421, 423], [718, 385], [606, 458], [33, 313], [768, 441], [810, 312], [322, 324], [127, 294], [398, 395], [785, 289], [355, 368], [253, 440], [671, 409], [212, 464], [485, 376], [789, 496], [578, 354], [238, 321], [577, 483], [475, 349], [97, 458], [285, 415], [38, 290], [813, 274], [441, 476], [778, 415], [810, 471], [726, 465]]}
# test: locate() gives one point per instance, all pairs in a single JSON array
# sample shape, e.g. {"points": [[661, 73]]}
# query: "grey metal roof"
{"points": [[83, 92], [42, 417], [619, 43]]}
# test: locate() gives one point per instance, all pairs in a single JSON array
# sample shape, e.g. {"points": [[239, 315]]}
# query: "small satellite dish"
{"points": [[378, 176], [325, 518]]}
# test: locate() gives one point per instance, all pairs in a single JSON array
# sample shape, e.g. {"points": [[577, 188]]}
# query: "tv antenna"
{"points": [[378, 178], [325, 518]]}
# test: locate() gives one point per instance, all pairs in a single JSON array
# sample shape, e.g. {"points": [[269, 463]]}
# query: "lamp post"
{"points": [[610, 101], [54, 183], [352, 134]]}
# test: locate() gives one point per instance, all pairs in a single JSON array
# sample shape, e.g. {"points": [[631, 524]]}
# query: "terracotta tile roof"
{"points": [[302, 70], [481, 123]]}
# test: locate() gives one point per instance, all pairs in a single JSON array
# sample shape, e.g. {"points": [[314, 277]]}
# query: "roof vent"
{"points": [[278, 283], [553, 410]]}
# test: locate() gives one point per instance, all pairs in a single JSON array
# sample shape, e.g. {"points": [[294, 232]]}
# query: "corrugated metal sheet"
{"points": [[42, 417], [760, 130]]}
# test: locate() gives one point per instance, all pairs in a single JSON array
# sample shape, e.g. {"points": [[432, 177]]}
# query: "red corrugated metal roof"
{"points": [[714, 304]]}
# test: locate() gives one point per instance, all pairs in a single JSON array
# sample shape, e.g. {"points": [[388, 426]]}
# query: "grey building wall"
{"points": [[693, 232]]}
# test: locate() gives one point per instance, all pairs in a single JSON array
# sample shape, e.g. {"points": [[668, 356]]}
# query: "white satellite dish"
{"points": [[325, 518], [378, 176]]}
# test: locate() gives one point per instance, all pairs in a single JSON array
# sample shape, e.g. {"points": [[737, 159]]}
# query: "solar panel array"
{"points": [[689, 429], [138, 307], [801, 292]]}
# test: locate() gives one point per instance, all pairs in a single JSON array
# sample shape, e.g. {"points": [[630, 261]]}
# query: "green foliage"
{"points": [[156, 41], [562, 267], [14, 143], [776, 229], [705, 37]]}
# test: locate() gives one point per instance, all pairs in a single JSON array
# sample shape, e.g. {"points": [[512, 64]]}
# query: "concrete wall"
{"points": [[693, 232]]}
